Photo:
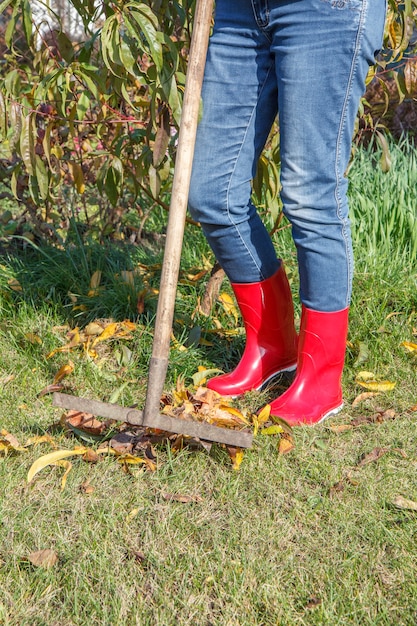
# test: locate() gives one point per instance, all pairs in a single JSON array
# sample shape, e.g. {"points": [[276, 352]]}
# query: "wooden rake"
{"points": [[151, 416]]}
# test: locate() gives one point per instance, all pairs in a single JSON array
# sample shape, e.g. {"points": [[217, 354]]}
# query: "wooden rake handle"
{"points": [[178, 207]]}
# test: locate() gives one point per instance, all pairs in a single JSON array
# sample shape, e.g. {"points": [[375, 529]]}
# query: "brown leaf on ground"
{"points": [[139, 556], [50, 389], [90, 456], [236, 456], [123, 442], [380, 416], [84, 421], [176, 497], [340, 428], [337, 488], [7, 379], [286, 444], [403, 503], [203, 405], [366, 395], [9, 443], [313, 602], [372, 456], [43, 558], [86, 488]]}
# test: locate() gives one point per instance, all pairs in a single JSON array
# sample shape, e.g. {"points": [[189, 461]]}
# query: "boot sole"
{"points": [[329, 414], [290, 368]]}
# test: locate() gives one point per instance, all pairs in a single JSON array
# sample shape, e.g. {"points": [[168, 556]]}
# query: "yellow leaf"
{"points": [[383, 385], [67, 465], [93, 328], [285, 445], [263, 416], [14, 284], [199, 378], [234, 412], [95, 279], [131, 459], [177, 344], [75, 340], [128, 277], [229, 304], [50, 459], [32, 338], [109, 331], [236, 454], [128, 326], [9, 442], [276, 429], [133, 513], [411, 347], [38, 439], [340, 428], [63, 371], [364, 376]]}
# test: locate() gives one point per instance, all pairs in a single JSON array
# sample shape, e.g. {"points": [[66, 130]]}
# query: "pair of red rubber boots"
{"points": [[272, 346]]}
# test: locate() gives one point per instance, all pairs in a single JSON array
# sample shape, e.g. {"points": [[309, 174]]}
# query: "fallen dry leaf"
{"points": [[313, 602], [83, 421], [340, 428], [372, 456], [33, 338], [403, 503], [139, 556], [373, 385], [133, 513], [275, 429], [176, 497], [50, 389], [51, 459], [86, 488], [63, 371], [229, 305], [67, 465], [122, 442], [337, 488], [43, 558], [7, 379], [411, 347], [285, 445], [9, 443], [366, 395], [90, 456], [93, 329], [379, 417], [236, 456]]}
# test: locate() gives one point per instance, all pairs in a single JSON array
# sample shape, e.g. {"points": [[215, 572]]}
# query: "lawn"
{"points": [[323, 534]]}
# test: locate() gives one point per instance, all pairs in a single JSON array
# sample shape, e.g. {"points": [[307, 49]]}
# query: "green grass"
{"points": [[271, 544]]}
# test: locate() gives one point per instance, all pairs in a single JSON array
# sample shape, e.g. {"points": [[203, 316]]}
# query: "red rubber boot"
{"points": [[316, 392], [271, 340]]}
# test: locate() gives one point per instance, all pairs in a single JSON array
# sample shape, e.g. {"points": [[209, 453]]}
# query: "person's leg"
{"points": [[323, 49], [239, 106]]}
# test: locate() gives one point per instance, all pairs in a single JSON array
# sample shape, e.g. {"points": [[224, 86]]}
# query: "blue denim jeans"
{"points": [[305, 60]]}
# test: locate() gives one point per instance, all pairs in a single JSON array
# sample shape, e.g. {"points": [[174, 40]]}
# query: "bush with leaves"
{"points": [[102, 114]]}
